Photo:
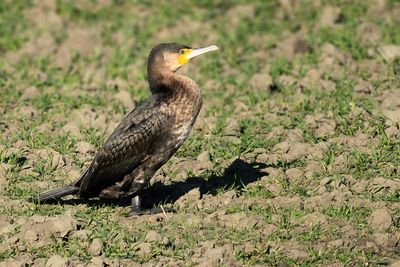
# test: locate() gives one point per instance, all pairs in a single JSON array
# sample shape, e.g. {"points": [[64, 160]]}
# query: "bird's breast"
{"points": [[182, 132]]}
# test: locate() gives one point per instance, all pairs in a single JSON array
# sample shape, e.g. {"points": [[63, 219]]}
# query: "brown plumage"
{"points": [[148, 136]]}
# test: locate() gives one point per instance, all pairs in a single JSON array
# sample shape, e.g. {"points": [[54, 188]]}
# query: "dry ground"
{"points": [[294, 159]]}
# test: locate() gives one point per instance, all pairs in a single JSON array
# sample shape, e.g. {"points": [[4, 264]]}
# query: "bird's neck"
{"points": [[180, 93], [173, 84], [160, 80]]}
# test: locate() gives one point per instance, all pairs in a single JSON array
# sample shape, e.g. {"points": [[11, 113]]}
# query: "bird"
{"points": [[147, 137]]}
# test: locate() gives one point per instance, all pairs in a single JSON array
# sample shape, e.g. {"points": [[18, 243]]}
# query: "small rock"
{"points": [[81, 41], [380, 220], [117, 83], [392, 131], [6, 227], [30, 236], [239, 220], [369, 32], [11, 263], [320, 125], [390, 52], [314, 218], [28, 112], [294, 135], [125, 98], [284, 202], [37, 218], [194, 220], [330, 15], [29, 93], [165, 241], [229, 195], [194, 194], [395, 263], [93, 76], [181, 176], [363, 87], [271, 159], [275, 189], [4, 167], [294, 174], [57, 261], [289, 5], [152, 236], [286, 80], [73, 174], [20, 144], [385, 240], [96, 247], [83, 147], [238, 13], [232, 128], [393, 115], [261, 82], [204, 156], [335, 243], [143, 249], [298, 151], [291, 45], [97, 262], [37, 262], [391, 100], [81, 235], [72, 128], [341, 164], [57, 161], [10, 152], [273, 173], [190, 197], [313, 167], [268, 229], [63, 224], [298, 254], [218, 254]]}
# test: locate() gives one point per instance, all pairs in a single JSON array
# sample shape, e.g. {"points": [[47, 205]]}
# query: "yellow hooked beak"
{"points": [[186, 53]]}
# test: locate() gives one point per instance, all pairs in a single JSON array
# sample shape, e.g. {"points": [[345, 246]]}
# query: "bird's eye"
{"points": [[182, 51]]}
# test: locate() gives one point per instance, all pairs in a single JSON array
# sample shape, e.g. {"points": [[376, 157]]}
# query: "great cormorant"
{"points": [[147, 137]]}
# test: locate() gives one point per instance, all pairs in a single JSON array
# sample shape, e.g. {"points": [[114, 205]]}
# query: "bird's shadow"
{"points": [[237, 175]]}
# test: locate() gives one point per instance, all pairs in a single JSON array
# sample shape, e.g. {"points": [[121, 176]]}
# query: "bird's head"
{"points": [[172, 56]]}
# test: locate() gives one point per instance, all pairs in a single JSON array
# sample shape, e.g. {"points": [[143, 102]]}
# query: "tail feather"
{"points": [[55, 194]]}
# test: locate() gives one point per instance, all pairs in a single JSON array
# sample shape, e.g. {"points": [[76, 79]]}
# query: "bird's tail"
{"points": [[55, 194]]}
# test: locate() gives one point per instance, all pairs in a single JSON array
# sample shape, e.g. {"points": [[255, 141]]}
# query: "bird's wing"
{"points": [[123, 151], [135, 117]]}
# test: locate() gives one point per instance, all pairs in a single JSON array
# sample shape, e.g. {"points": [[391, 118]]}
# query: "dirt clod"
{"points": [[380, 220], [261, 82], [97, 262], [143, 249], [232, 130], [204, 156], [330, 15], [96, 247], [363, 87], [124, 97], [30, 92], [152, 236], [57, 261], [83, 147], [81, 41], [390, 52]]}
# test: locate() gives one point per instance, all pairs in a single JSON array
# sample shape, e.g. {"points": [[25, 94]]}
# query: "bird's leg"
{"points": [[136, 205], [137, 209]]}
